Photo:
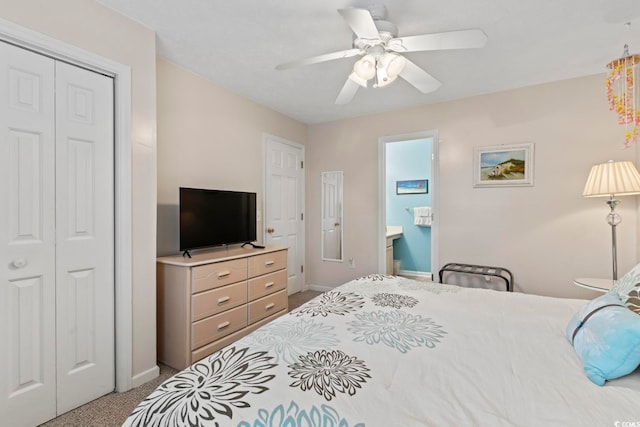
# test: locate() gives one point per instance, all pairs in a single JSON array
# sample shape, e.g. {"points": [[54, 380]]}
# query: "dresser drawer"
{"points": [[218, 274], [215, 327], [267, 263], [217, 300], [267, 284], [266, 306]]}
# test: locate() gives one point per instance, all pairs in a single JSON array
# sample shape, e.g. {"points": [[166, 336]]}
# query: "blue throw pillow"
{"points": [[608, 341]]}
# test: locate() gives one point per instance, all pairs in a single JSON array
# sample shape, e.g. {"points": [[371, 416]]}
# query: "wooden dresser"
{"points": [[216, 297]]}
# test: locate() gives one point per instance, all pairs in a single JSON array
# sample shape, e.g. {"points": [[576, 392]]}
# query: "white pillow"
{"points": [[633, 299], [624, 285]]}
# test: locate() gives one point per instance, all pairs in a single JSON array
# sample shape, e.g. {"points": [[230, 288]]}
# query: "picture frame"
{"points": [[414, 186], [509, 165]]}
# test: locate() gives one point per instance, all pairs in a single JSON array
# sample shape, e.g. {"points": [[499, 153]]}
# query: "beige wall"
{"points": [[546, 234], [92, 27], [208, 137]]}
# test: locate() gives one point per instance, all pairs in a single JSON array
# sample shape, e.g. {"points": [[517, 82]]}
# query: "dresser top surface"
{"points": [[217, 255]]}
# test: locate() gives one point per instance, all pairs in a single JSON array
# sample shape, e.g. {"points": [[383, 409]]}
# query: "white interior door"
{"points": [[84, 234], [284, 204], [27, 241], [56, 249]]}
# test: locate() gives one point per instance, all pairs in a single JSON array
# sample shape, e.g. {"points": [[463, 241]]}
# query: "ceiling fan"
{"points": [[376, 41]]}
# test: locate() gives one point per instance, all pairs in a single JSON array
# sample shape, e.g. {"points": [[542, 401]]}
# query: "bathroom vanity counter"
{"points": [[393, 232]]}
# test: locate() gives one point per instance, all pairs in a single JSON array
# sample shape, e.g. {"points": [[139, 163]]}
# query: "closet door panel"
{"points": [[85, 227], [27, 245]]}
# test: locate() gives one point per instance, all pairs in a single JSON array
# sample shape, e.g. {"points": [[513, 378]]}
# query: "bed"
{"points": [[388, 351]]}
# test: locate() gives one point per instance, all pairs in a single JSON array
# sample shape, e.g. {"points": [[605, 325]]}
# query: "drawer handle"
{"points": [[269, 263], [223, 274], [269, 306], [223, 325], [223, 300], [268, 285]]}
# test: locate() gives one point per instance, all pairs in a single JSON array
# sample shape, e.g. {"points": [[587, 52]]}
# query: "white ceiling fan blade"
{"points": [[419, 78], [320, 58], [361, 23], [347, 93], [464, 39]]}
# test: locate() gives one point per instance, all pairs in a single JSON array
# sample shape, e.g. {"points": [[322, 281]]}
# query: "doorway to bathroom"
{"points": [[408, 189]]}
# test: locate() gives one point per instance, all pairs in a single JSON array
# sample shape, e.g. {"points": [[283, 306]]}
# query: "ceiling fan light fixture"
{"points": [[383, 79], [393, 63], [375, 40], [383, 83], [365, 67], [388, 67]]}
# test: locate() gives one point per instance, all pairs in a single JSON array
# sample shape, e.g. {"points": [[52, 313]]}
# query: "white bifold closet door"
{"points": [[56, 237]]}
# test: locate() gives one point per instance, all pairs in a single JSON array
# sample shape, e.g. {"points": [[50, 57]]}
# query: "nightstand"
{"points": [[600, 285]]}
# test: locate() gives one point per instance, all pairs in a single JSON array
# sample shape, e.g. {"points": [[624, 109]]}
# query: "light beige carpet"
{"points": [[111, 410]]}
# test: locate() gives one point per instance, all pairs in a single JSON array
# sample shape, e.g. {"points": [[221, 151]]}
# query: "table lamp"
{"points": [[613, 179]]}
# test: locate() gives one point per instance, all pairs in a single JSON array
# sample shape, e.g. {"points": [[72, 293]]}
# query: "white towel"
{"points": [[422, 216]]}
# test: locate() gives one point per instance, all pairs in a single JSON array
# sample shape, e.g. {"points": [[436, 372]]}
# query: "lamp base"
{"points": [[613, 219]]}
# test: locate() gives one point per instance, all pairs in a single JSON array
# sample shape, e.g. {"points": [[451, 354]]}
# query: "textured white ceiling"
{"points": [[237, 44]]}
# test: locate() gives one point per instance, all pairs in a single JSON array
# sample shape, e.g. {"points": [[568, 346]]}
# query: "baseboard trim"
{"points": [[422, 274], [145, 376], [318, 288]]}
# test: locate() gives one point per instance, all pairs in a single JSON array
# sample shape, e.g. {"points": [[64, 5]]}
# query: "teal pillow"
{"points": [[608, 341]]}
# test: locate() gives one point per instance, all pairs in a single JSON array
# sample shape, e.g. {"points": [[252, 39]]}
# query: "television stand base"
{"points": [[252, 244], [186, 253]]}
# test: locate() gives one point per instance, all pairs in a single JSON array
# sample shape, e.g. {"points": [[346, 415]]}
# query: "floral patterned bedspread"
{"points": [[388, 351]]}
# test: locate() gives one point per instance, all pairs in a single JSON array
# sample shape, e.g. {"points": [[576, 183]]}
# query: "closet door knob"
{"points": [[19, 263]]}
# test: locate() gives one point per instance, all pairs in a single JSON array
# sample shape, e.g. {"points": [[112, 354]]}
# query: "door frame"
{"points": [[265, 139], [382, 195], [42, 44]]}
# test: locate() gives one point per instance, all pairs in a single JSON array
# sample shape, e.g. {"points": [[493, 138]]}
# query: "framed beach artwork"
{"points": [[503, 165], [416, 186]]}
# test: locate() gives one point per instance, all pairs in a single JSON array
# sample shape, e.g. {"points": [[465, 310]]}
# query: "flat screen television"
{"points": [[216, 217]]}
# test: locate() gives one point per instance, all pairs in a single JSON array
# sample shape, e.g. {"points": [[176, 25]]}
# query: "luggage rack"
{"points": [[480, 270]]}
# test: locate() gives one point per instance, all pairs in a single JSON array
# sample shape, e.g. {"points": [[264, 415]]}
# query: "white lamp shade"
{"points": [[394, 63], [388, 67], [365, 67], [612, 179]]}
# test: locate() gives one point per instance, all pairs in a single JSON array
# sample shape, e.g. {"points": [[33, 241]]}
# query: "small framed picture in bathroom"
{"points": [[415, 186]]}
